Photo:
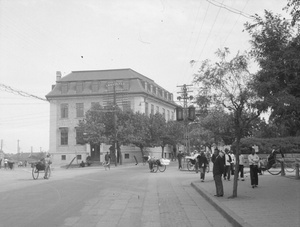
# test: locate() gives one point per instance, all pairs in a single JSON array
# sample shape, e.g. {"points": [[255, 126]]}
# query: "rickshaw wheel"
{"points": [[190, 166], [35, 173]]}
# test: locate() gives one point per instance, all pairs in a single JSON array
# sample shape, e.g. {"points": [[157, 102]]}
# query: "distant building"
{"points": [[75, 93]]}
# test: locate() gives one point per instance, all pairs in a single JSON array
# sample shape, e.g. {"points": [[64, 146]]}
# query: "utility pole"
{"points": [[115, 124], [186, 113], [18, 147]]}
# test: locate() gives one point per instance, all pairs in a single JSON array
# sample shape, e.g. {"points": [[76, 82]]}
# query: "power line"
{"points": [[233, 10], [9, 89]]}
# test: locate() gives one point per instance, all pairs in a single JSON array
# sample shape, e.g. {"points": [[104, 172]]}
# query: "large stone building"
{"points": [[75, 93]]}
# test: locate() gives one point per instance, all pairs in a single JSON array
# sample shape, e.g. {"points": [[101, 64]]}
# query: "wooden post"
{"points": [[282, 168], [297, 171]]}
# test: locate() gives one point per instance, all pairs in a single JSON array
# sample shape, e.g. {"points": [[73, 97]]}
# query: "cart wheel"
{"points": [[35, 173], [162, 168]]}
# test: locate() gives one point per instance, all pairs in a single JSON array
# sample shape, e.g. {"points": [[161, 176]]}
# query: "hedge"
{"points": [[287, 144]]}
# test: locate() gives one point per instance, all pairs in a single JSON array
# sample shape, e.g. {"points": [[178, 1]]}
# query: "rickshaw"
{"points": [[37, 167]]}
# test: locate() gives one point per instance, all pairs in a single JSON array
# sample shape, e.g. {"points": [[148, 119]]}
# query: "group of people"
{"points": [[224, 166], [201, 160]]}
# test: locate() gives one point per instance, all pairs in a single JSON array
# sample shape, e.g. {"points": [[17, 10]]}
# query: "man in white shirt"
{"points": [[232, 164], [227, 165], [253, 164], [241, 166]]}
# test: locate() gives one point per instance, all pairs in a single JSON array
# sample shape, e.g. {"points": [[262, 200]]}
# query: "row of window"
{"points": [[64, 110], [157, 91], [65, 87], [168, 117], [64, 136], [79, 157], [95, 86]]}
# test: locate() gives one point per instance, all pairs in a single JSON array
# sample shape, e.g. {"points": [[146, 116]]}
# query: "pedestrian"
{"points": [[179, 157], [227, 165], [47, 162], [232, 163], [196, 155], [215, 154], [218, 171], [5, 163], [151, 161], [241, 166], [253, 163], [203, 163], [107, 161], [0, 162]]}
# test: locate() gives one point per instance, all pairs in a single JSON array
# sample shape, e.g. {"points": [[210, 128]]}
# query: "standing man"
{"points": [[215, 154], [47, 162], [253, 162], [227, 165], [179, 157], [241, 166], [218, 170], [232, 163]]}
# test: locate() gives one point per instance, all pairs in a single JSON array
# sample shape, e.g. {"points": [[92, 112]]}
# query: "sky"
{"points": [[156, 38]]}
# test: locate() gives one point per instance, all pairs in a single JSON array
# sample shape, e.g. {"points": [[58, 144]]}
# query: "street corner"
{"points": [[216, 202]]}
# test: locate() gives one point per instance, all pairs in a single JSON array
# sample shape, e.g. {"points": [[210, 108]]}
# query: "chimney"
{"points": [[58, 75]]}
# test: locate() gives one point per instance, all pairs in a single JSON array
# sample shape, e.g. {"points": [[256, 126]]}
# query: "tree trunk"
{"points": [[236, 168]]}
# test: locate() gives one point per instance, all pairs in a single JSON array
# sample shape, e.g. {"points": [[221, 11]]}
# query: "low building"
{"points": [[75, 93]]}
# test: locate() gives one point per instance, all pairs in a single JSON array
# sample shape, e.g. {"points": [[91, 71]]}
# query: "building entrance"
{"points": [[95, 152]]}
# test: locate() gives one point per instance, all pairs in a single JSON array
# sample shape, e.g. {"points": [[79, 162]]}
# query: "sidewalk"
{"points": [[275, 202]]}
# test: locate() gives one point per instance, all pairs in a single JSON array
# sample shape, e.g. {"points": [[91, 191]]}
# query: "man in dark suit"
{"points": [[218, 170]]}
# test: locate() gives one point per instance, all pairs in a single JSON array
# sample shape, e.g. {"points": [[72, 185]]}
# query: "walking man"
{"points": [[179, 157], [107, 161], [203, 163]]}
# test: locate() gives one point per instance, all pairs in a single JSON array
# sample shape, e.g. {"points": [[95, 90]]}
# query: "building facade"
{"points": [[75, 93]]}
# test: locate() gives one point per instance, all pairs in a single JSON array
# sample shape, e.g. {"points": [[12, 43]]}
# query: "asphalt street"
{"points": [[126, 195]]}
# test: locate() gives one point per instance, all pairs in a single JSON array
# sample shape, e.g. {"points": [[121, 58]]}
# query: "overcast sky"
{"points": [[157, 38]]}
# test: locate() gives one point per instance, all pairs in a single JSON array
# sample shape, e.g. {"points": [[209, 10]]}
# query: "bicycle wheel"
{"points": [[190, 166], [35, 173], [162, 168]]}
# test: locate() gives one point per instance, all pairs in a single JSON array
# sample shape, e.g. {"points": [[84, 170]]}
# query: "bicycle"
{"points": [[274, 166], [37, 167]]}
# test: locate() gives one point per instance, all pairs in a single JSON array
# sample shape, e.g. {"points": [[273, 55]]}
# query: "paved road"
{"points": [[124, 196]]}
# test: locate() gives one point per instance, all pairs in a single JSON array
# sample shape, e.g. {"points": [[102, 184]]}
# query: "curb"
{"points": [[233, 218]]}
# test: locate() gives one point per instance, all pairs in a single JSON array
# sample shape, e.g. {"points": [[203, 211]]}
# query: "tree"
{"points": [[225, 83], [294, 7], [141, 135], [158, 131], [93, 126], [276, 48], [175, 134]]}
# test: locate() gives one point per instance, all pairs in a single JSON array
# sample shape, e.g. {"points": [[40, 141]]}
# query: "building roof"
{"points": [[131, 82], [110, 74]]}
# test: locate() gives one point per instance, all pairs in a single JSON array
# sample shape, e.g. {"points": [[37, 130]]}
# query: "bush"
{"points": [[287, 144]]}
